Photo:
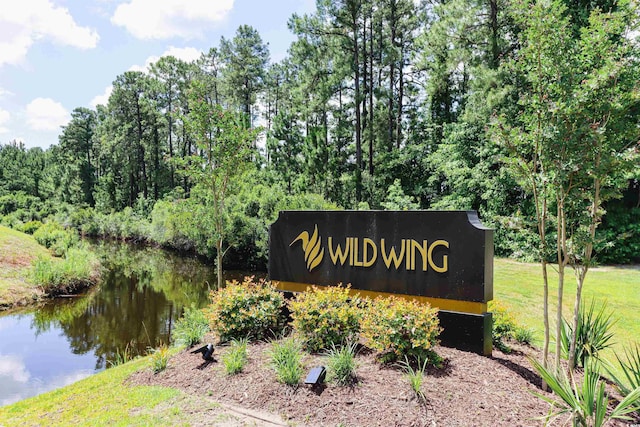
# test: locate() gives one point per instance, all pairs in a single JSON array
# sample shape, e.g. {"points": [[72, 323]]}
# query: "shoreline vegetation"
{"points": [[30, 273]]}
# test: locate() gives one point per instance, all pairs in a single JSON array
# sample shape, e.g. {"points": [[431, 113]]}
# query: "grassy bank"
{"points": [[28, 271], [17, 252], [519, 286], [104, 400]]}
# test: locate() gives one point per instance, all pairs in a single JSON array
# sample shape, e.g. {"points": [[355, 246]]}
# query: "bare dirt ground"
{"points": [[469, 390]]}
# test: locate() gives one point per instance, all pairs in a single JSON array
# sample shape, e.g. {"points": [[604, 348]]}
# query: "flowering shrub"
{"points": [[398, 327], [325, 317], [246, 310]]}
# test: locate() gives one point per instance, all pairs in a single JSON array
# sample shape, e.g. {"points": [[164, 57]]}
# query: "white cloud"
{"points": [[4, 118], [13, 367], [102, 99], [46, 114], [29, 21], [187, 54], [153, 19]]}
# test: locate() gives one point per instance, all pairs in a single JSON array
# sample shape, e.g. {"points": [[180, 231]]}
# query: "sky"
{"points": [[56, 55]]}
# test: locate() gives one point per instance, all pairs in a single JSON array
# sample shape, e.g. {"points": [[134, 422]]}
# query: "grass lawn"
{"points": [[17, 251], [519, 286], [103, 400]]}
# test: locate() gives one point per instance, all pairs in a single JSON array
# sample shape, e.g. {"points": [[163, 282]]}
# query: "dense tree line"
{"points": [[379, 104]]}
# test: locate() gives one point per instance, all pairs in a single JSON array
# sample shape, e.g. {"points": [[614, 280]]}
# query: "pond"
{"points": [[142, 293]]}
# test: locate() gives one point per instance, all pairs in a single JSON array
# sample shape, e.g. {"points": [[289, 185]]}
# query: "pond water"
{"points": [[142, 293]]}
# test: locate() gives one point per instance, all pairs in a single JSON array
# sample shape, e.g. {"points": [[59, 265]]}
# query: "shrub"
{"points": [[31, 227], [52, 236], [159, 358], [235, 359], [398, 327], [504, 325], [76, 271], [190, 328], [325, 317], [286, 360], [342, 364], [246, 310], [523, 335], [594, 333]]}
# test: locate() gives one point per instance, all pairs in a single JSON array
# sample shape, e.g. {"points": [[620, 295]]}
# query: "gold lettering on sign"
{"points": [[363, 252]]}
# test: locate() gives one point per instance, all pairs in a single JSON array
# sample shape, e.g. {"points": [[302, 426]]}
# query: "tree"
{"points": [[575, 134], [224, 143], [245, 59]]}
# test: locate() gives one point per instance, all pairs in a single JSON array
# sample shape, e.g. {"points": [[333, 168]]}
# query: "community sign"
{"points": [[441, 257]]}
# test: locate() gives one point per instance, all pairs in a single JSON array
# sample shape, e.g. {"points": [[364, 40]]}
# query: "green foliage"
{"points": [[30, 227], [416, 376], [159, 358], [190, 328], [504, 325], [246, 310], [235, 358], [594, 333], [342, 363], [121, 357], [586, 403], [523, 335], [53, 236], [326, 317], [399, 327], [630, 366], [77, 270], [286, 360], [397, 200]]}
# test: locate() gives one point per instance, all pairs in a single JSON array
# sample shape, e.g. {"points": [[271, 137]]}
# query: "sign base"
{"points": [[464, 331]]}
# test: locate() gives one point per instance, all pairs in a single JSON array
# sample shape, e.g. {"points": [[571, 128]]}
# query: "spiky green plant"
{"points": [[191, 327], [630, 366], [585, 404], [286, 359], [415, 376], [594, 333], [235, 359], [159, 358], [342, 363]]}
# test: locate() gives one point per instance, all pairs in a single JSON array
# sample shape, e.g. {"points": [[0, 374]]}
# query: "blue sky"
{"points": [[56, 55]]}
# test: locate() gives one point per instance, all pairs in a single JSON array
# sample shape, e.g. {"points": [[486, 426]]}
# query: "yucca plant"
{"points": [[594, 333], [630, 366], [585, 404]]}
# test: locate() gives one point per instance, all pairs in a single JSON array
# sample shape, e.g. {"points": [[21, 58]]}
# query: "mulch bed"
{"points": [[468, 390]]}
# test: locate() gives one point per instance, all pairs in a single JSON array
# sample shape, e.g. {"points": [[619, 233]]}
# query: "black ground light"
{"points": [[316, 376]]}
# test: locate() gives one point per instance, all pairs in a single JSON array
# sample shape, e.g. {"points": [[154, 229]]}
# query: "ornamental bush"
{"points": [[249, 309], [398, 327], [324, 318]]}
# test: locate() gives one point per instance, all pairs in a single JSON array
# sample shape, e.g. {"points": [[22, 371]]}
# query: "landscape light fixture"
{"points": [[316, 376]]}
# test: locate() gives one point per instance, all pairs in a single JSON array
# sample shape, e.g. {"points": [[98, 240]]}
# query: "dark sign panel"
{"points": [[434, 254], [443, 257]]}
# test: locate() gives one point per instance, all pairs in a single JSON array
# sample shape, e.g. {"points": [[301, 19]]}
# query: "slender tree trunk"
{"points": [[562, 246], [371, 87]]}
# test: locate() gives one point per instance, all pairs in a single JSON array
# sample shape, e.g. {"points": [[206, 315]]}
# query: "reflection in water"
{"points": [[142, 293]]}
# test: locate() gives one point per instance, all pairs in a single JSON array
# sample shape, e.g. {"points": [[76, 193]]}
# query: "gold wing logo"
{"points": [[312, 247]]}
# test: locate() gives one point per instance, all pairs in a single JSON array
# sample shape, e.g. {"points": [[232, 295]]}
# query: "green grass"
{"points": [[17, 252], [99, 400], [519, 286]]}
